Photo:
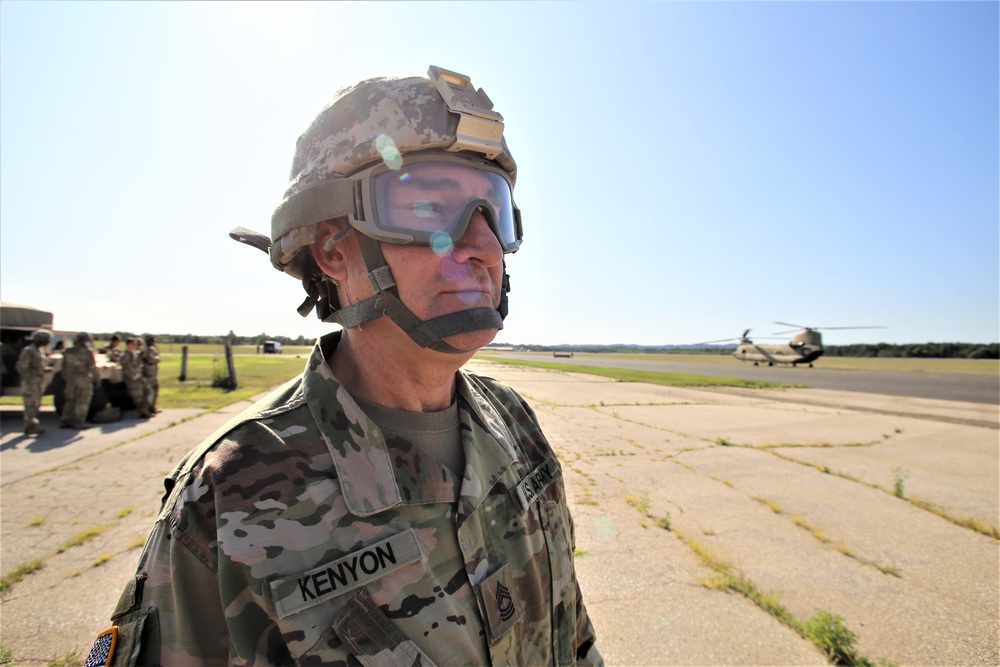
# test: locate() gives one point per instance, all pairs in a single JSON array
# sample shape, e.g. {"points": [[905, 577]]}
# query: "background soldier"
{"points": [[384, 507], [114, 354], [150, 358], [79, 370], [132, 375], [31, 366]]}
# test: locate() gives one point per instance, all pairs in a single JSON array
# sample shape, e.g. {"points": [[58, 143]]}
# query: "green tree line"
{"points": [[213, 340], [923, 350]]}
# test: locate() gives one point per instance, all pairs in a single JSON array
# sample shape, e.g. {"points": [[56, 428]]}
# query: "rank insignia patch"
{"points": [[503, 609], [104, 648]]}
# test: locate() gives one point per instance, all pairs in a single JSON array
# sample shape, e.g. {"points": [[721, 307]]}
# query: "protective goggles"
{"points": [[430, 200]]}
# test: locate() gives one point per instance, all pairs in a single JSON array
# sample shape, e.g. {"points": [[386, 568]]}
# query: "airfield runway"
{"points": [[980, 388], [879, 509]]}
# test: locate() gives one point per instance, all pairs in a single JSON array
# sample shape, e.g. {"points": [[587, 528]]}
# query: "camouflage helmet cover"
{"points": [[41, 337], [352, 132], [82, 338]]}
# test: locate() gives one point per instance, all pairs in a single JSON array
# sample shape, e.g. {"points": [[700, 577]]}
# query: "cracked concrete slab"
{"points": [[653, 492]]}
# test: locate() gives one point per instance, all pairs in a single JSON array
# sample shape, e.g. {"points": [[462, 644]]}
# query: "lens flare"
{"points": [[441, 243], [386, 147]]}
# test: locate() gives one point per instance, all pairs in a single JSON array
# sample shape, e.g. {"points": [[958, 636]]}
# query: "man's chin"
{"points": [[471, 341]]}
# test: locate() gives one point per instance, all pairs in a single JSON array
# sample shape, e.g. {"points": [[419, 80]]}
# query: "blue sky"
{"points": [[686, 170]]}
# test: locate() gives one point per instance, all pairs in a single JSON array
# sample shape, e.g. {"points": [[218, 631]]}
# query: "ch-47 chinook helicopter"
{"points": [[804, 348]]}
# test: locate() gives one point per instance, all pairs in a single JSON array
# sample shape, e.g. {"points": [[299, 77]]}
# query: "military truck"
{"points": [[17, 322]]}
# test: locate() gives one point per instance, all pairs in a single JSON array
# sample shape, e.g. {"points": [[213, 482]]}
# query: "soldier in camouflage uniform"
{"points": [[385, 507], [150, 358], [79, 371], [31, 366], [135, 384], [114, 354]]}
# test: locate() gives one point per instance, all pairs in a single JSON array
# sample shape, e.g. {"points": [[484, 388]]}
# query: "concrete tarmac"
{"points": [[877, 509]]}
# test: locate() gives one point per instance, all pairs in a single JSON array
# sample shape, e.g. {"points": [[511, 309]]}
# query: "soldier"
{"points": [[385, 507], [135, 384], [31, 366], [79, 370], [150, 358], [114, 354]]}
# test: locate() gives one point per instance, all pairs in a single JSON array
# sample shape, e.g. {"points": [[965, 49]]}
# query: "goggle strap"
{"points": [[311, 205]]}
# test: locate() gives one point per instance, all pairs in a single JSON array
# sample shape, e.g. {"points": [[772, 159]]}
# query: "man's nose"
{"points": [[479, 242]]}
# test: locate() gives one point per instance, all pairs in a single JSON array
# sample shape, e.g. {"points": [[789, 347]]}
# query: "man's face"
{"points": [[453, 274]]}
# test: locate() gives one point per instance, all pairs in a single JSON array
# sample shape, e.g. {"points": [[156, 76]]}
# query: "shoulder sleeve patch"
{"points": [[103, 650]]}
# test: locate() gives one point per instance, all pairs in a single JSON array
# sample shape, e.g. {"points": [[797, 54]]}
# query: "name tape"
{"points": [[293, 594]]}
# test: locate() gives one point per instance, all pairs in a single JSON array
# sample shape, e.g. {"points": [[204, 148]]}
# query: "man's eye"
{"points": [[423, 209]]}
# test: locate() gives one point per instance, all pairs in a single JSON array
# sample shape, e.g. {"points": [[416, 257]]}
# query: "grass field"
{"points": [[650, 377], [208, 348], [254, 374]]}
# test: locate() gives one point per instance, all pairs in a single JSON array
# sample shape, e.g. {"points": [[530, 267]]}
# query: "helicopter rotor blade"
{"points": [[789, 324], [830, 328], [802, 328]]}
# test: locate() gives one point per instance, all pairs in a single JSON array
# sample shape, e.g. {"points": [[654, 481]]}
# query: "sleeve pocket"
{"points": [[138, 640]]}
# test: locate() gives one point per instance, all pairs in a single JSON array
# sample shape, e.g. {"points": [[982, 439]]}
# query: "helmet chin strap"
{"points": [[385, 302]]}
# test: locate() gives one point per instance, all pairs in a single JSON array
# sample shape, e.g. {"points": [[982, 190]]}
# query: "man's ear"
{"points": [[327, 251]]}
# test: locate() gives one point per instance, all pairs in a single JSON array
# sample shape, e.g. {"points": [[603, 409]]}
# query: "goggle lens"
{"points": [[426, 199]]}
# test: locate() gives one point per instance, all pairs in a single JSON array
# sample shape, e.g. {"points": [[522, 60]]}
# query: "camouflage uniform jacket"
{"points": [[150, 358], [79, 366], [131, 366], [31, 365], [301, 534]]}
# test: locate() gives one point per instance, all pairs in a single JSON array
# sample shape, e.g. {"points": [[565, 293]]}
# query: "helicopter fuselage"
{"points": [[777, 354]]}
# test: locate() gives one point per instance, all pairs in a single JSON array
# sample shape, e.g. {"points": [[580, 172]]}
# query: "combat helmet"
{"points": [[41, 338], [82, 338], [377, 126]]}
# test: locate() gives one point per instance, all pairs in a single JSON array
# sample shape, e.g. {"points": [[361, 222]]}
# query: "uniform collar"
{"points": [[369, 480]]}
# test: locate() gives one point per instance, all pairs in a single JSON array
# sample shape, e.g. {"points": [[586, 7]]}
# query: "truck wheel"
{"points": [[98, 400], [58, 387], [118, 395]]}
